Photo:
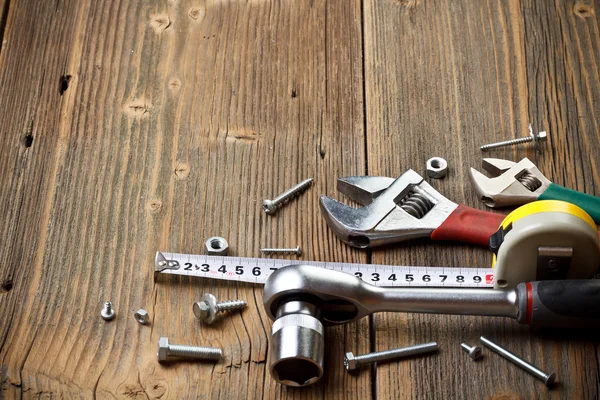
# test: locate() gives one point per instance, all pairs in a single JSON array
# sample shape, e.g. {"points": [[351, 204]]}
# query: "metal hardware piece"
{"points": [[108, 312], [142, 316], [216, 246], [352, 362], [271, 206], [167, 352], [538, 373], [207, 308], [297, 251], [473, 351], [536, 139], [437, 167]]}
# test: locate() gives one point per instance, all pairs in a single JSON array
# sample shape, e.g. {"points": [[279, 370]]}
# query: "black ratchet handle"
{"points": [[560, 304]]}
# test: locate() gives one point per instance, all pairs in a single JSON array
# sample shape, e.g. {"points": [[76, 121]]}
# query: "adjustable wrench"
{"points": [[400, 209], [302, 299], [519, 183]]}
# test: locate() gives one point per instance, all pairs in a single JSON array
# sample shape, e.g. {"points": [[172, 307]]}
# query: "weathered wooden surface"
{"points": [[129, 127]]}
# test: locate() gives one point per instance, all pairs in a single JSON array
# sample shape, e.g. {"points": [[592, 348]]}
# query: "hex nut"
{"points": [[216, 246], [437, 167], [142, 316]]}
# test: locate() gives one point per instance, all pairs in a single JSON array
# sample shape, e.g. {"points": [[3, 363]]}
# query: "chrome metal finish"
{"points": [[352, 362], [437, 167], [538, 373], [108, 312], [536, 139], [216, 246], [207, 308], [473, 351], [167, 352], [408, 208], [297, 251], [510, 183], [271, 206], [142, 316]]}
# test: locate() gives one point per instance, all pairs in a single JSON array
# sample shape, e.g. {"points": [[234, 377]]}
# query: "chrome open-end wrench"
{"points": [[519, 183], [400, 209], [302, 299]]}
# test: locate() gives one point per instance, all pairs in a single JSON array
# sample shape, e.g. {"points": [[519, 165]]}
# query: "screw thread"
{"points": [[196, 352], [505, 143], [292, 192], [397, 353], [108, 307], [296, 250], [231, 305]]}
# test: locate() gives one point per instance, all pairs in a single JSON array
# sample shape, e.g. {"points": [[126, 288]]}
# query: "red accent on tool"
{"points": [[467, 224], [529, 303]]}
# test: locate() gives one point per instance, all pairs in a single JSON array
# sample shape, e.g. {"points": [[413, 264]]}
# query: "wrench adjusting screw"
{"points": [[352, 362], [167, 351], [108, 312], [207, 308], [473, 351], [271, 206], [538, 373], [297, 251], [536, 139]]}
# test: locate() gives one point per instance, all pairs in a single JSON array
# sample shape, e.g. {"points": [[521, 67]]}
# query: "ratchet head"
{"points": [[394, 210], [510, 183]]}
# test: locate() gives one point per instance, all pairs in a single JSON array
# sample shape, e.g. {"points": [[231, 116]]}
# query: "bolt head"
{"points": [[350, 361], [163, 349], [206, 309], [475, 353], [142, 316], [269, 207], [550, 379]]}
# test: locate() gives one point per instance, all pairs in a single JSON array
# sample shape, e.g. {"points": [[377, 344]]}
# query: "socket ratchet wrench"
{"points": [[302, 299]]}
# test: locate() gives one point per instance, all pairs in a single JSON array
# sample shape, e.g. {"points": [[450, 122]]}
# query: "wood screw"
{"points": [[108, 311], [297, 251], [207, 308], [536, 139], [473, 351], [271, 206], [352, 362]]}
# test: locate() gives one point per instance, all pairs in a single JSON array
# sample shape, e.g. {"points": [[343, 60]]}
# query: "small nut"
{"points": [[437, 167], [142, 316], [217, 246]]}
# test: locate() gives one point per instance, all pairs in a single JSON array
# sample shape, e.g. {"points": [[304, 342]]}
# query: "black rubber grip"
{"points": [[568, 303]]}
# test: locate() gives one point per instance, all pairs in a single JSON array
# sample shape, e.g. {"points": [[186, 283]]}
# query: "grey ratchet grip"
{"points": [[560, 304]]}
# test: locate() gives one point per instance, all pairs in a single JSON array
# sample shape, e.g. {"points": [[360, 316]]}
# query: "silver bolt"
{"points": [[536, 139], [108, 311], [271, 206], [297, 251], [207, 308], [547, 378], [166, 351], [352, 362], [474, 351]]}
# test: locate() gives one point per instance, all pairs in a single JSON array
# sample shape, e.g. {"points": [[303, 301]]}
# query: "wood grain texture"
{"points": [[178, 119], [443, 78], [131, 127]]}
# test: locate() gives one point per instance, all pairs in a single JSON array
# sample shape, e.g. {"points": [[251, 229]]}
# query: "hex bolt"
{"points": [[297, 251], [536, 139], [271, 206], [473, 351], [207, 308], [538, 373], [108, 312], [168, 351], [352, 362]]}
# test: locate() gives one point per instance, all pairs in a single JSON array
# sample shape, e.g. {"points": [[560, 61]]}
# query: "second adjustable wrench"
{"points": [[400, 209]]}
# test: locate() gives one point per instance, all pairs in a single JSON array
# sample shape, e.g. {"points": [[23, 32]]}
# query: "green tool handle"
{"points": [[589, 204]]}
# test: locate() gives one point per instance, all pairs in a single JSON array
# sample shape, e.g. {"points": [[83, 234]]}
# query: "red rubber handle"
{"points": [[469, 225]]}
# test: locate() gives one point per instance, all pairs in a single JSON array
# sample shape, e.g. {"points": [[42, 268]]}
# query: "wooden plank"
{"points": [[178, 119], [443, 78]]}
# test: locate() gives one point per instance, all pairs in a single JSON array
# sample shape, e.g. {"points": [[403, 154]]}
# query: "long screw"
{"points": [[538, 373], [207, 308], [167, 351], [271, 206], [540, 137], [108, 312], [297, 251], [474, 351], [352, 362]]}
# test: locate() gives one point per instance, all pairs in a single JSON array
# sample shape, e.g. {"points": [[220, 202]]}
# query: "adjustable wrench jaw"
{"points": [[395, 210], [511, 183]]}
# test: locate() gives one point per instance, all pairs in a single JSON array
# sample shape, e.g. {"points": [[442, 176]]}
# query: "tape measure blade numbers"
{"points": [[257, 270]]}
